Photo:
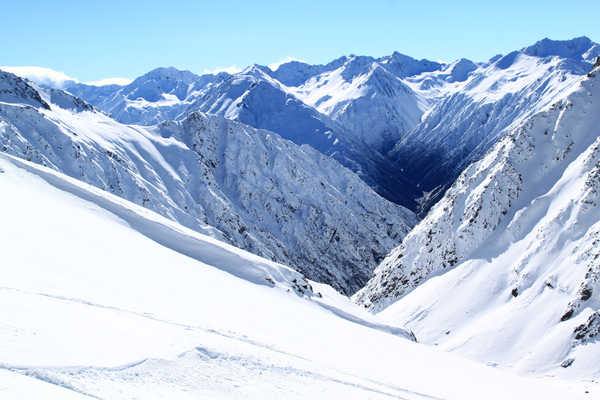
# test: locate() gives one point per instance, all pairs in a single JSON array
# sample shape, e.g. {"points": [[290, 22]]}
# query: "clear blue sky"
{"points": [[91, 40]]}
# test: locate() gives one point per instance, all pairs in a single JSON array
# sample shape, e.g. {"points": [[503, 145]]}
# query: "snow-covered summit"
{"points": [[404, 66], [153, 85], [422, 122], [574, 48]]}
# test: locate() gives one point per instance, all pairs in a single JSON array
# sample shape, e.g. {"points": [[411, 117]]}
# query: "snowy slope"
{"points": [[252, 97], [256, 99], [505, 267], [245, 186], [369, 101], [98, 300], [475, 105]]}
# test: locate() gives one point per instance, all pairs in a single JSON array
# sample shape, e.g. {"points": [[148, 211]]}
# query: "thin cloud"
{"points": [[41, 76], [55, 79]]}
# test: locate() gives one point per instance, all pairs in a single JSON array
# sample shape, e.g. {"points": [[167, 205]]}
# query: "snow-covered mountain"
{"points": [[505, 267], [475, 105], [122, 207], [245, 186], [366, 97], [254, 98], [407, 127], [161, 94], [103, 299], [257, 98]]}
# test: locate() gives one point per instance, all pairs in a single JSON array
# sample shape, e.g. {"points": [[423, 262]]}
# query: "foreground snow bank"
{"points": [[97, 301]]}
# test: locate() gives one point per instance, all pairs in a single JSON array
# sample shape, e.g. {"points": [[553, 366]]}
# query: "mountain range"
{"points": [[407, 127], [456, 203], [512, 248]]}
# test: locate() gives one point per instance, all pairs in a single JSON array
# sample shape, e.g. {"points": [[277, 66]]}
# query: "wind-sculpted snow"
{"points": [[176, 237], [505, 267], [245, 186]]}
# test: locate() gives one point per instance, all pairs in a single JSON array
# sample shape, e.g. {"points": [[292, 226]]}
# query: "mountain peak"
{"points": [[168, 73], [14, 89], [404, 66], [461, 69], [573, 48]]}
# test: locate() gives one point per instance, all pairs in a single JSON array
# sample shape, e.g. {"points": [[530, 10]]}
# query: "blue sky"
{"points": [[91, 40]]}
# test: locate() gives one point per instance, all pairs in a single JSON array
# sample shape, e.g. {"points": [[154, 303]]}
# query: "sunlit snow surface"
{"points": [[94, 307], [504, 269]]}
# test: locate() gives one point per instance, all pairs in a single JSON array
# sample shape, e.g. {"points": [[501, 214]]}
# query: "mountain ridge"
{"points": [[241, 185]]}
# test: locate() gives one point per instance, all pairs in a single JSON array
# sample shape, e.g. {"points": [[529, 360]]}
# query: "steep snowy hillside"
{"points": [[369, 101], [103, 299], [474, 106], [245, 186], [505, 267], [254, 98]]}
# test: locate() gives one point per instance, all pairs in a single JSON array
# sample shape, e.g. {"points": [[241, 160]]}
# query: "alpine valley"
{"points": [[368, 228]]}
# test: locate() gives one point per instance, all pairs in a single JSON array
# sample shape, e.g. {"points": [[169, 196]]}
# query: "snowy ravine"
{"points": [[471, 112], [505, 267], [246, 186], [103, 299]]}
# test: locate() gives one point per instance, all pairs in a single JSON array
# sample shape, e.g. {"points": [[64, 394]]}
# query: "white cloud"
{"points": [[274, 66], [41, 76], [110, 81], [49, 77], [232, 69]]}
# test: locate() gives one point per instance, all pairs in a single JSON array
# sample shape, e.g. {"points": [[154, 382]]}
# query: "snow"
{"points": [[467, 117], [407, 127], [504, 268], [58, 80], [275, 65], [41, 75], [110, 313], [103, 298], [235, 183]]}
